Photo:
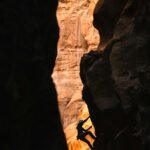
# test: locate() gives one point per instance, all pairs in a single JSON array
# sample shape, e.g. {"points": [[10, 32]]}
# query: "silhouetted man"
{"points": [[82, 133]]}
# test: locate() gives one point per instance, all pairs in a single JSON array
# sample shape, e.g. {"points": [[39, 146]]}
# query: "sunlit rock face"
{"points": [[73, 143], [77, 36]]}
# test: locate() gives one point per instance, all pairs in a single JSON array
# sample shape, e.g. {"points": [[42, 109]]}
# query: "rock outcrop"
{"points": [[29, 116], [116, 77]]}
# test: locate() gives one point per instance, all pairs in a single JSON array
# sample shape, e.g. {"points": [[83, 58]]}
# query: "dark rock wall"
{"points": [[29, 116], [116, 77]]}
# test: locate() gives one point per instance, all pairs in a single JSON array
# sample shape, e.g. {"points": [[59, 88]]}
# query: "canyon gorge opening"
{"points": [[77, 36], [115, 77]]}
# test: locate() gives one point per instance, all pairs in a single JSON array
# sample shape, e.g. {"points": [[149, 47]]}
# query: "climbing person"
{"points": [[82, 133]]}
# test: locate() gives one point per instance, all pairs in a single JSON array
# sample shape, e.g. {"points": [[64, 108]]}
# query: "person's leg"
{"points": [[91, 134], [86, 141]]}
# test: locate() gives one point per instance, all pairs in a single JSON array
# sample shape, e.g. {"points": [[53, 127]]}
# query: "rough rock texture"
{"points": [[29, 117], [116, 77], [71, 133], [77, 36]]}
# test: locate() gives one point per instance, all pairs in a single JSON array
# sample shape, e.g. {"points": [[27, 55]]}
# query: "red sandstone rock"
{"points": [[77, 36]]}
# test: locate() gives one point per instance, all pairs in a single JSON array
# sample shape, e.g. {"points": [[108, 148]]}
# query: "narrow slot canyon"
{"points": [[62, 61], [115, 76], [77, 36]]}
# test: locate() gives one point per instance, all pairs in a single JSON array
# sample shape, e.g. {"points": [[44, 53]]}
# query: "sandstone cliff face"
{"points": [[116, 77], [77, 36]]}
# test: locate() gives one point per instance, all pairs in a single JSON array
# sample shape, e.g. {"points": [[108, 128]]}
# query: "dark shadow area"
{"points": [[116, 77], [29, 116]]}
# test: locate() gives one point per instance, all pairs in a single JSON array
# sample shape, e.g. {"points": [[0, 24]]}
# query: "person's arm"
{"points": [[84, 129], [88, 128], [86, 119]]}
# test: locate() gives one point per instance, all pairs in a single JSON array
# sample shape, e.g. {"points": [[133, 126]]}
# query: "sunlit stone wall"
{"points": [[77, 36]]}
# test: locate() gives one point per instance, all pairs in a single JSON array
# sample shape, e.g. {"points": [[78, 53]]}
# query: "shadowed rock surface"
{"points": [[29, 116], [116, 77]]}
